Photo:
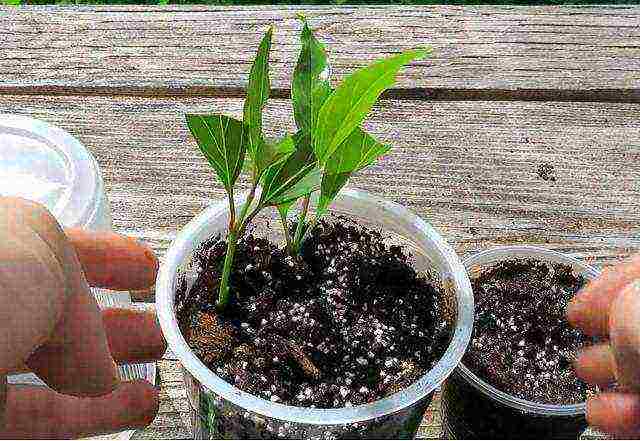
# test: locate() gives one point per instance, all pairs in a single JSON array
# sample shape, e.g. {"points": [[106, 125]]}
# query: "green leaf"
{"points": [[332, 183], [276, 152], [356, 152], [307, 185], [257, 95], [284, 208], [282, 177], [310, 86], [273, 152], [222, 140], [311, 181], [350, 103]]}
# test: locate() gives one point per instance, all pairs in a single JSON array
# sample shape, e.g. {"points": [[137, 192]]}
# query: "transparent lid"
{"points": [[46, 164]]}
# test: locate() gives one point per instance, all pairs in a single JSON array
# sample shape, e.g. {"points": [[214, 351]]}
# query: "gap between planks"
{"points": [[491, 53], [630, 95]]}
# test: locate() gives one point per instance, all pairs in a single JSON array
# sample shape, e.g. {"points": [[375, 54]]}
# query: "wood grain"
{"points": [[501, 52], [472, 169]]}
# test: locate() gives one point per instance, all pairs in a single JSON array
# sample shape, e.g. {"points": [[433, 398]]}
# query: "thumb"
{"points": [[41, 413]]}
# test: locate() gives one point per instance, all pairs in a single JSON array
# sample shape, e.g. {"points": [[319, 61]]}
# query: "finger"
{"points": [[44, 275], [37, 412], [133, 336], [76, 359], [109, 260], [596, 365], [589, 310], [624, 332], [114, 261], [615, 413]]}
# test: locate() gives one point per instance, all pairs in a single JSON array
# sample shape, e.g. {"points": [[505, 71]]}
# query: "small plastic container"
{"points": [[220, 410], [473, 409], [44, 163]]}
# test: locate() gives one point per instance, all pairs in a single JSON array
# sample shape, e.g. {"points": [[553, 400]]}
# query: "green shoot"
{"points": [[320, 157]]}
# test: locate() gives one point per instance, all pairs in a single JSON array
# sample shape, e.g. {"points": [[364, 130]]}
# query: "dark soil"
{"points": [[348, 323], [522, 343]]}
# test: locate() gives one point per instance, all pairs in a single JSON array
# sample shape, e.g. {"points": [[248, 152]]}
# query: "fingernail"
{"points": [[118, 377], [578, 363], [574, 359], [159, 348]]}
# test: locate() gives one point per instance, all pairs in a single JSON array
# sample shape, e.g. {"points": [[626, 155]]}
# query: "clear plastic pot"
{"points": [[43, 163], [221, 410], [472, 408]]}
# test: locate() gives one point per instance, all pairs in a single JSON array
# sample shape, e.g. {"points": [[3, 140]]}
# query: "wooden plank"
{"points": [[475, 170], [504, 52]]}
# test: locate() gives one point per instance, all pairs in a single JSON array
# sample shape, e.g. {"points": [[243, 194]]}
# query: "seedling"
{"points": [[328, 147]]}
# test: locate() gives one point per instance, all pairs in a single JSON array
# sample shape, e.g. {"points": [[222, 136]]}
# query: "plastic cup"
{"points": [[220, 410], [472, 408], [44, 163]]}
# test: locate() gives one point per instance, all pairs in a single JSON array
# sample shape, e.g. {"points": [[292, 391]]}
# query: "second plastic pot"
{"points": [[473, 409], [220, 410]]}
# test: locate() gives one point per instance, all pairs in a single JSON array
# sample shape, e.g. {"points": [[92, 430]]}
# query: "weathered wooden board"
{"points": [[475, 170], [566, 53]]}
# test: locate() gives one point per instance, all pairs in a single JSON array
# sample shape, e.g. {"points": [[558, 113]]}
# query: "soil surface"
{"points": [[347, 323], [522, 343]]}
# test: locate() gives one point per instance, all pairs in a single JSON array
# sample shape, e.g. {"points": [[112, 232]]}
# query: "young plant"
{"points": [[328, 147]]}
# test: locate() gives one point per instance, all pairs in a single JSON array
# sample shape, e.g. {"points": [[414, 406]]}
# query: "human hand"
{"points": [[609, 307], [51, 325]]}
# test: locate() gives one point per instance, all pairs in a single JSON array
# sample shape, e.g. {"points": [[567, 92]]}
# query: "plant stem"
{"points": [[297, 240], [232, 210], [310, 226], [236, 227], [247, 203], [287, 236], [223, 293], [247, 220]]}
